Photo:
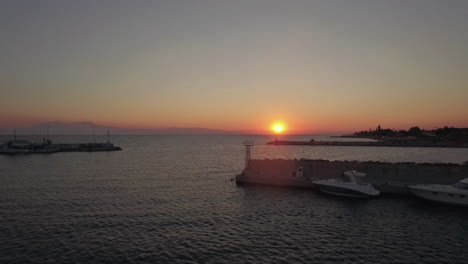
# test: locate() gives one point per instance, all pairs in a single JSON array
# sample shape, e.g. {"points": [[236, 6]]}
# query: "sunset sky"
{"points": [[236, 65]]}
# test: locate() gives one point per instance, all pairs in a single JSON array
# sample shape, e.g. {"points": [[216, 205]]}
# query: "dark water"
{"points": [[170, 199]]}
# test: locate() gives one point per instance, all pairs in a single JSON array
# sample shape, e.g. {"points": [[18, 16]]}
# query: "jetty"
{"points": [[25, 147], [18, 146], [388, 177], [378, 143]]}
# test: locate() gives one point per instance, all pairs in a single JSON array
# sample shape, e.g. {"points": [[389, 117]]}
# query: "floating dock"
{"points": [[389, 178]]}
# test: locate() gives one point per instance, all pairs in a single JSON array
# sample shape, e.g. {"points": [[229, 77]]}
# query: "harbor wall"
{"points": [[381, 143], [392, 178], [32, 148]]}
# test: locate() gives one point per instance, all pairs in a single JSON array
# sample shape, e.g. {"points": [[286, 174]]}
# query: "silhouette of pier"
{"points": [[380, 143]]}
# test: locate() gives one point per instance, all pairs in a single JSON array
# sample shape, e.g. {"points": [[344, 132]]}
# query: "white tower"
{"points": [[247, 144]]}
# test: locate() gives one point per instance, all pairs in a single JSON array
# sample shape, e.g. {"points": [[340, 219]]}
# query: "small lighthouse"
{"points": [[247, 144]]}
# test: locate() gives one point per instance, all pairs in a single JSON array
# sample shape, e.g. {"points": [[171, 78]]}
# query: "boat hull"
{"points": [[440, 197], [340, 191]]}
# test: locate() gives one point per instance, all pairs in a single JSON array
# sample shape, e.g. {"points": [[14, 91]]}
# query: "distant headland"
{"points": [[446, 137], [445, 133]]}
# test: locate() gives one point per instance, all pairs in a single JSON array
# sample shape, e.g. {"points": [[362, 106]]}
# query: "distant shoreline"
{"points": [[381, 143]]}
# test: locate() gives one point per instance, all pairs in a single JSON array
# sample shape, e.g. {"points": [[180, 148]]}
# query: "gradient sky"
{"points": [[315, 65]]}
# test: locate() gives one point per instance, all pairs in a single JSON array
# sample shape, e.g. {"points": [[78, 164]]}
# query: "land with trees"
{"points": [[445, 133], [446, 137]]}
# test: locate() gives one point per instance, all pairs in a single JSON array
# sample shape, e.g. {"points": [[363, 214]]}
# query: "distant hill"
{"points": [[88, 128]]}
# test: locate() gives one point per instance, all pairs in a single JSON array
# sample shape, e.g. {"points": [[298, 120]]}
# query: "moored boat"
{"points": [[349, 184], [456, 194], [15, 147]]}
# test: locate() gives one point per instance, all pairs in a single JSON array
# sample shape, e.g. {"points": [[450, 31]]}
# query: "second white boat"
{"points": [[449, 194]]}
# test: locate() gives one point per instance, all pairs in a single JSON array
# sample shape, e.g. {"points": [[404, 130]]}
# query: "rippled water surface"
{"points": [[170, 199]]}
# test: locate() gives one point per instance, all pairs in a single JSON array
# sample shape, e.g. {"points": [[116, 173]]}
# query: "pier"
{"points": [[87, 147], [381, 143], [389, 178], [18, 146], [14, 147]]}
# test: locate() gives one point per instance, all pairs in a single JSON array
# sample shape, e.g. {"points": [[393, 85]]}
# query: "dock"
{"points": [[21, 146], [380, 143], [87, 147], [389, 178], [14, 147]]}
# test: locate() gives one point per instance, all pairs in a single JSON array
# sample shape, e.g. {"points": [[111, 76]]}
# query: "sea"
{"points": [[172, 199]]}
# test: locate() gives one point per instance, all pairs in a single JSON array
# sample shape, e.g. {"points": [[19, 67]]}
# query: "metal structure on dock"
{"points": [[247, 144]]}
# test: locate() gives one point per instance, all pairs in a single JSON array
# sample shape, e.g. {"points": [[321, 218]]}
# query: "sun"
{"points": [[278, 128]]}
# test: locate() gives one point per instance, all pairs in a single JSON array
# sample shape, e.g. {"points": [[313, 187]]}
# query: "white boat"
{"points": [[450, 194], [349, 184], [15, 147]]}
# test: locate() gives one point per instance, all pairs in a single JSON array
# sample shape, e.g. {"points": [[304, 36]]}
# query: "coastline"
{"points": [[379, 143]]}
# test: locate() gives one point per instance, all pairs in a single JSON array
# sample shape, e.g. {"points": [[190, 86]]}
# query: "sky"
{"points": [[315, 66]]}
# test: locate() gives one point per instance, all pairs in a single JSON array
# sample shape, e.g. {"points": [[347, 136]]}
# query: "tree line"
{"points": [[414, 131]]}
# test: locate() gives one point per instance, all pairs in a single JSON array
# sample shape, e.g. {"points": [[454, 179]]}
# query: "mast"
{"points": [[108, 136]]}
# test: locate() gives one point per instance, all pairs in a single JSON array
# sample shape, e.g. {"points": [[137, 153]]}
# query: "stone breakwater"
{"points": [[390, 178], [380, 143], [88, 147], [32, 148]]}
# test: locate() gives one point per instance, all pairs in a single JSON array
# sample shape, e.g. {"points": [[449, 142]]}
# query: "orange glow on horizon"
{"points": [[270, 124]]}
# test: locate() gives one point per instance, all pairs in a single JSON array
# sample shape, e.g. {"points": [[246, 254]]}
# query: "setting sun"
{"points": [[278, 128]]}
